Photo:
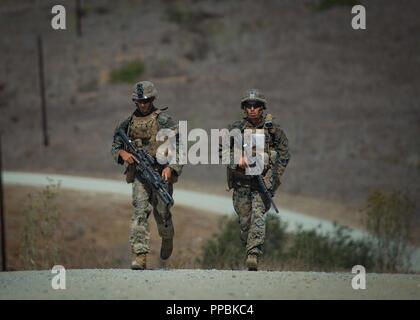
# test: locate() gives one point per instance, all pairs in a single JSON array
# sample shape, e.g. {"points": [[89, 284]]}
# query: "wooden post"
{"points": [[78, 18], [42, 91], [2, 220]]}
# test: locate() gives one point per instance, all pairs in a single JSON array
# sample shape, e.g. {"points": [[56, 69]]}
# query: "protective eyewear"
{"points": [[144, 101]]}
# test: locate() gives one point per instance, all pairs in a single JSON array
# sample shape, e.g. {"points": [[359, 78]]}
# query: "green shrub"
{"points": [[301, 250], [128, 73], [336, 251], [224, 250]]}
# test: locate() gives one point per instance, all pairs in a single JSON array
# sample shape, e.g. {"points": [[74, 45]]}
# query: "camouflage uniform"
{"points": [[142, 130], [247, 202]]}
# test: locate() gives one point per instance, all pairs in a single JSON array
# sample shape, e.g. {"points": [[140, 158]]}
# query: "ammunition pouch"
{"points": [[237, 179]]}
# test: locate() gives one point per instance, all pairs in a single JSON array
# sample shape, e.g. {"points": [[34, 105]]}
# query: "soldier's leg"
{"points": [[140, 235], [243, 207], [164, 224], [256, 234]]}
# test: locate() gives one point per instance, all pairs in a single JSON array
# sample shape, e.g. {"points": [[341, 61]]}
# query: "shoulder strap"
{"points": [[242, 124], [156, 113], [130, 118]]}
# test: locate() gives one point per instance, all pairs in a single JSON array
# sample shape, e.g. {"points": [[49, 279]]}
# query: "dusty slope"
{"points": [[347, 100]]}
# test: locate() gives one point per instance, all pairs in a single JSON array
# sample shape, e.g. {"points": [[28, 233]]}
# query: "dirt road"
{"points": [[205, 284]]}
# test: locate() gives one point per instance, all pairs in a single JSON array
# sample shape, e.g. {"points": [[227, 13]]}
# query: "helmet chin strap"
{"points": [[149, 111]]}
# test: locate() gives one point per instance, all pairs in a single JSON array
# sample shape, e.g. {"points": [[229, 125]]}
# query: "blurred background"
{"points": [[347, 100]]}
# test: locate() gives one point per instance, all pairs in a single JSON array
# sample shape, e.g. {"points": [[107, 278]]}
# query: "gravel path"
{"points": [[205, 284]]}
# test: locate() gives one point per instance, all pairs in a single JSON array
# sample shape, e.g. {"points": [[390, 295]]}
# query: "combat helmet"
{"points": [[253, 95], [144, 90]]}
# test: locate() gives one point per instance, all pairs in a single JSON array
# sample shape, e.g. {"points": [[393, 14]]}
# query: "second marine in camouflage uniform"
{"points": [[142, 127], [247, 201]]}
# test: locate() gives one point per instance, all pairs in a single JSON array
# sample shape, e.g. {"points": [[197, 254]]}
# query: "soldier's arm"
{"points": [[281, 146], [166, 122], [117, 143]]}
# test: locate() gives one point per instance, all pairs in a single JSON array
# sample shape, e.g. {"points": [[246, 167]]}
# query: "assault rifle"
{"points": [[145, 172]]}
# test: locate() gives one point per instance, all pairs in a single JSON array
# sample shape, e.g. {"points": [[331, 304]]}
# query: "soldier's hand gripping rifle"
{"points": [[145, 171], [266, 195]]}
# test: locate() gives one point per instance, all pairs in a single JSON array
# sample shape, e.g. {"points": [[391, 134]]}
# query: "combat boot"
{"points": [[252, 262], [166, 248], [139, 262]]}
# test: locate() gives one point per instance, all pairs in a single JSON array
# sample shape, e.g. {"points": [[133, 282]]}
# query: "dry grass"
{"points": [[95, 231]]}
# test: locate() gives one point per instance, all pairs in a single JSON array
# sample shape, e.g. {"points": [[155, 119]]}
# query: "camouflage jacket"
{"points": [[276, 151], [162, 120]]}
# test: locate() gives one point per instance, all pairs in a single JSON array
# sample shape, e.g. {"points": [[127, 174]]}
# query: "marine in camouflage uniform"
{"points": [[247, 201], [142, 127]]}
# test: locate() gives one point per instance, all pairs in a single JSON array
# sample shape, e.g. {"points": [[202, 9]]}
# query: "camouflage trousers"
{"points": [[251, 213], [144, 202]]}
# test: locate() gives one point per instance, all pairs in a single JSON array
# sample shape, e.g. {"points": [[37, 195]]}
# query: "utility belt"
{"points": [[241, 180], [238, 179]]}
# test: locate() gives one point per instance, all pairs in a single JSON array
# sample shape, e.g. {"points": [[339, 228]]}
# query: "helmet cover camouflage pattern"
{"points": [[253, 95], [144, 90]]}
